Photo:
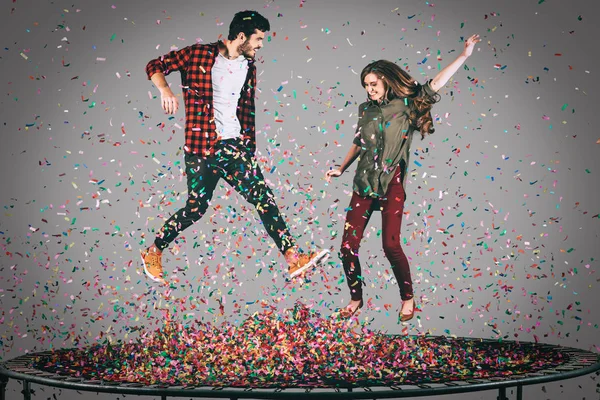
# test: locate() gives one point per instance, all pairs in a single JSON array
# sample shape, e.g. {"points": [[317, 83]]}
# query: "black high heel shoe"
{"points": [[408, 317], [345, 313]]}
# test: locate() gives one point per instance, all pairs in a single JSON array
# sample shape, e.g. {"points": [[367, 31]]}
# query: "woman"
{"points": [[397, 106]]}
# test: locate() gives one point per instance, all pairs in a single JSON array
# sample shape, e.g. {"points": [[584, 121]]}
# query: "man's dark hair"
{"points": [[247, 21]]}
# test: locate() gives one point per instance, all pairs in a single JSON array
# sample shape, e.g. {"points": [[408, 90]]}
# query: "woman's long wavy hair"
{"points": [[399, 84]]}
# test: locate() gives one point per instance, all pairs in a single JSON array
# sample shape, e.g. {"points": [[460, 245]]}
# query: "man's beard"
{"points": [[245, 49]]}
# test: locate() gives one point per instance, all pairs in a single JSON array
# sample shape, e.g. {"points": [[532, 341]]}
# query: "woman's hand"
{"points": [[331, 173], [470, 45]]}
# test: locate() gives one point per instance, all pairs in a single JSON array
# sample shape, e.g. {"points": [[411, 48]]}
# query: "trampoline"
{"points": [[575, 362], [296, 354]]}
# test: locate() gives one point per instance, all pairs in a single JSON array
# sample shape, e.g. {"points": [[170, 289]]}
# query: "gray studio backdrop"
{"points": [[501, 222]]}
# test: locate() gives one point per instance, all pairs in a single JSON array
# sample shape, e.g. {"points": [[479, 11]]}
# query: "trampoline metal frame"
{"points": [[580, 363]]}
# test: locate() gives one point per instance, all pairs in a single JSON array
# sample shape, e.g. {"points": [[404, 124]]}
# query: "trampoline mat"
{"points": [[296, 348]]}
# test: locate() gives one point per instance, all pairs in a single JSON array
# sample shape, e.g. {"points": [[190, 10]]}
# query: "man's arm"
{"points": [[168, 100], [158, 68]]}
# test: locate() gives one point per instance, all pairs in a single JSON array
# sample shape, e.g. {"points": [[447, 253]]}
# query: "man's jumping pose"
{"points": [[219, 83]]}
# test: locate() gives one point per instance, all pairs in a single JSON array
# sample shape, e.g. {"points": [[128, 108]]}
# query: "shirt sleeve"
{"points": [[247, 111], [176, 60], [428, 90], [356, 140]]}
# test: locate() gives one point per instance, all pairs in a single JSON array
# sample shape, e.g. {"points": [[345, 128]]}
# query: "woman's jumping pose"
{"points": [[397, 106]]}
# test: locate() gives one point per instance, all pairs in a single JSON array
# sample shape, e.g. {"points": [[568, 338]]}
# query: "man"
{"points": [[219, 82]]}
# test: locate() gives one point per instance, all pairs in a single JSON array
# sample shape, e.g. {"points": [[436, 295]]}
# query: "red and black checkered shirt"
{"points": [[195, 65]]}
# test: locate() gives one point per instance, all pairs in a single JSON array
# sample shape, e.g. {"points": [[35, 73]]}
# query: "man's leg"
{"points": [[201, 182], [242, 172]]}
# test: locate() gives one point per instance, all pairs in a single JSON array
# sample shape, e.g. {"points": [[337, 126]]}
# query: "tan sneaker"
{"points": [[152, 260], [300, 262]]}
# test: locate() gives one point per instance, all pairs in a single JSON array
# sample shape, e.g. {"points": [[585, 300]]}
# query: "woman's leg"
{"points": [[359, 213], [391, 215]]}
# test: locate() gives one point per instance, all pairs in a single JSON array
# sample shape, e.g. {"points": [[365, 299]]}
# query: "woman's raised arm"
{"points": [[445, 74]]}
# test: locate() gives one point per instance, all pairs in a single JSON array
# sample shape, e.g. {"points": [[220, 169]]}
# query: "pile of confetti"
{"points": [[294, 348]]}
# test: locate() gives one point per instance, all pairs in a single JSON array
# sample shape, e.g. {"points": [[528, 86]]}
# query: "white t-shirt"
{"points": [[228, 79]]}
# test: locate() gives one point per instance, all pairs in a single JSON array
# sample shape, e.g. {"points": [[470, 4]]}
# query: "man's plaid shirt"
{"points": [[195, 65]]}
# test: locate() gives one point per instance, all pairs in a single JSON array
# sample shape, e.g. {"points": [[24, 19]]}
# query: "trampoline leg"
{"points": [[26, 390], [502, 393], [3, 382], [519, 392]]}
